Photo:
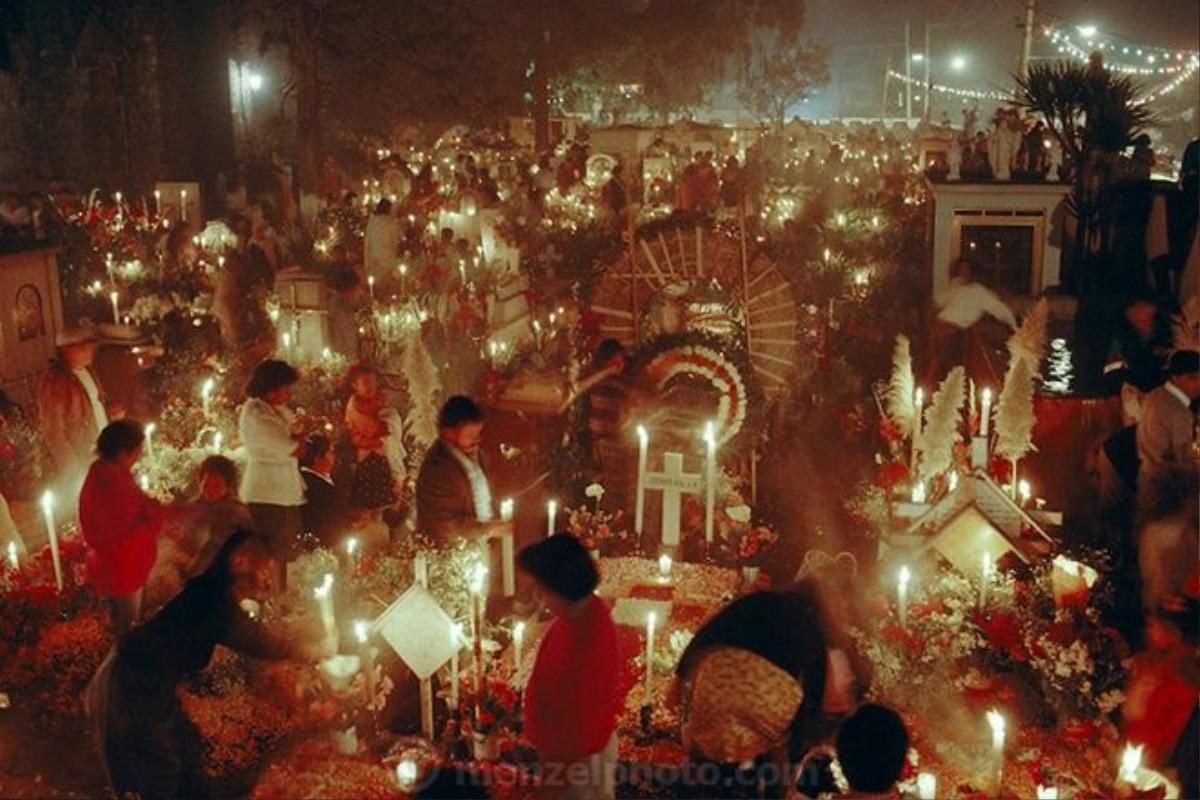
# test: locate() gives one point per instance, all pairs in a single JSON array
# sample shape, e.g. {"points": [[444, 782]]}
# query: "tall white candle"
{"points": [[507, 508], [351, 550], [551, 516], [456, 645], [371, 285], [157, 203], [324, 597], [985, 577], [664, 568], [150, 428], [13, 560], [985, 415], [902, 596], [478, 584], [52, 535], [650, 620], [710, 480], [217, 440], [996, 722], [116, 306], [1024, 492], [640, 502], [367, 653], [206, 390], [518, 646], [183, 205], [927, 786]]}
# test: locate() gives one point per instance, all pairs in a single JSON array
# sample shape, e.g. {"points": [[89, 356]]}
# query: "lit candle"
{"points": [[371, 285], [710, 480], [664, 568], [518, 646], [985, 576], [986, 413], [150, 428], [183, 205], [351, 550], [324, 596], [217, 439], [478, 584], [406, 774], [157, 203], [996, 722], [206, 390], [144, 482], [52, 535], [1047, 792], [13, 561], [927, 786], [1131, 763], [507, 507], [116, 304], [287, 341], [650, 620], [403, 276], [1024, 492], [902, 596], [551, 516], [640, 502], [326, 354], [362, 634], [455, 645]]}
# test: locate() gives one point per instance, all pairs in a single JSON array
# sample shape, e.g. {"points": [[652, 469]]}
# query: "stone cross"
{"points": [[673, 482]]}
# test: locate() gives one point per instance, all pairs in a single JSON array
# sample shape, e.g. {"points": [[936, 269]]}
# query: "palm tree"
{"points": [[1094, 114]]}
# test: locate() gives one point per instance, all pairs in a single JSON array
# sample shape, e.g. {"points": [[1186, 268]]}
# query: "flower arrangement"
{"points": [[755, 543], [499, 708], [596, 528]]}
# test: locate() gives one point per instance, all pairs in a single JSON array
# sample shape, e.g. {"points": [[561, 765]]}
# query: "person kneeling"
{"points": [[147, 744]]}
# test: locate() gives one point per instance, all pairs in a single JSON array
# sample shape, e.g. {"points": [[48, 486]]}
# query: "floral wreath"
{"points": [[709, 358]]}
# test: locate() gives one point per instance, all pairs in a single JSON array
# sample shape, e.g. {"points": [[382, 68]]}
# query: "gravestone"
{"points": [[674, 483]]}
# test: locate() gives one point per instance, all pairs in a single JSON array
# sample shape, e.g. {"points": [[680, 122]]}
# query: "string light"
{"points": [[1152, 55], [972, 94]]}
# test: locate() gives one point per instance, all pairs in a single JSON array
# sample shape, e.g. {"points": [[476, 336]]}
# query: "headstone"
{"points": [[674, 483]]}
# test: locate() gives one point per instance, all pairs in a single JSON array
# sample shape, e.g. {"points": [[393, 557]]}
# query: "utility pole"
{"points": [[1027, 41], [887, 81], [925, 59], [907, 75]]}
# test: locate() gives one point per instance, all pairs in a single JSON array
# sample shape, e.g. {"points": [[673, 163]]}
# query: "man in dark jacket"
{"points": [[454, 495], [149, 747], [325, 512]]}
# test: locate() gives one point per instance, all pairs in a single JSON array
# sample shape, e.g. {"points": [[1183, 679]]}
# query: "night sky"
{"points": [[859, 33]]}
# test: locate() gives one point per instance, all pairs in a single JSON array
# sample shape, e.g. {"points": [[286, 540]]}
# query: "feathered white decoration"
{"points": [[424, 389], [901, 387], [1185, 326], [939, 433], [1029, 340], [1014, 412]]}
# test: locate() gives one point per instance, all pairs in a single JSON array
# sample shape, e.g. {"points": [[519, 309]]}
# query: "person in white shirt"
{"points": [[271, 484], [960, 308]]}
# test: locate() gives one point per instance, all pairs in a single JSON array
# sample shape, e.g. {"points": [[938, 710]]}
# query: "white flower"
{"points": [[594, 491], [739, 513]]}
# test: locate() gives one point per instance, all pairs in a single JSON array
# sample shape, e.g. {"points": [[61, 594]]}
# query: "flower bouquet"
{"points": [[596, 529], [492, 717]]}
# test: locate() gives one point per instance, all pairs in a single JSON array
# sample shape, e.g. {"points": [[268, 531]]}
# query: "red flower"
{"points": [[891, 474], [1003, 634]]}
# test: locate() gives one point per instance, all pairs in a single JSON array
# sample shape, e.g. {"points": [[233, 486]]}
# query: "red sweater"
{"points": [[571, 702], [120, 524]]}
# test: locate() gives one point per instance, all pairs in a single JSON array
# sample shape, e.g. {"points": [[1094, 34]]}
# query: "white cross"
{"points": [[673, 482]]}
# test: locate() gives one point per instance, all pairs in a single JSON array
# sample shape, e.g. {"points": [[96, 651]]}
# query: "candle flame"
{"points": [[47, 501], [664, 564], [478, 577], [351, 545], [643, 434], [361, 630], [150, 428], [406, 773], [1024, 490], [996, 721], [519, 630], [324, 589], [207, 388], [904, 576], [651, 618], [987, 396], [1131, 762], [710, 436]]}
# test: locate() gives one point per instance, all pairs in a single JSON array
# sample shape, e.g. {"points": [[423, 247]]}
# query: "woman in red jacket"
{"points": [[571, 700], [120, 523]]}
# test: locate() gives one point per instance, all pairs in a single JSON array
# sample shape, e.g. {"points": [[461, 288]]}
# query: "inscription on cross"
{"points": [[674, 483]]}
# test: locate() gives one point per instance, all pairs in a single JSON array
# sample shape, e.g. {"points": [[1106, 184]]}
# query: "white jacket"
{"points": [[272, 474]]}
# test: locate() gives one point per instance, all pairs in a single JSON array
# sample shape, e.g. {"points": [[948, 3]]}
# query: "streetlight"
{"points": [[958, 63], [918, 58], [254, 81], [1086, 31]]}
